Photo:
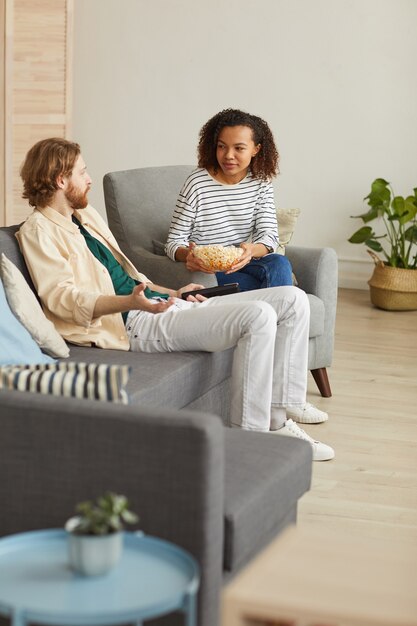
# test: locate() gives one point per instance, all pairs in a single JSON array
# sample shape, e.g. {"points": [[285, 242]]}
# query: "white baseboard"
{"points": [[354, 273]]}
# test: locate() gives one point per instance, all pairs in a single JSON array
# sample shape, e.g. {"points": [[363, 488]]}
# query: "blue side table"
{"points": [[153, 578]]}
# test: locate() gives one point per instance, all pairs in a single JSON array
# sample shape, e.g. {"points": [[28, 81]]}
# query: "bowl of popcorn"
{"points": [[218, 258]]}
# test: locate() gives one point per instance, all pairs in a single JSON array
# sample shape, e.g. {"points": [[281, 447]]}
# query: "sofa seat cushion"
{"points": [[317, 314], [173, 379], [262, 485]]}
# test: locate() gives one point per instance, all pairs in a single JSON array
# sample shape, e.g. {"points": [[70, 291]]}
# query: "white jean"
{"points": [[268, 329]]}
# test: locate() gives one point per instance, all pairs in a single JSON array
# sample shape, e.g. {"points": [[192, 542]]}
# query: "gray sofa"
{"points": [[220, 493], [139, 205]]}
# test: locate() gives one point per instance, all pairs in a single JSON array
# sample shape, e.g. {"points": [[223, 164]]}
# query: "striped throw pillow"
{"points": [[72, 380]]}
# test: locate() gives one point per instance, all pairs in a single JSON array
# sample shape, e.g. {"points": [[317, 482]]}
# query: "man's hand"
{"points": [[193, 263], [192, 287], [135, 301], [141, 303]]}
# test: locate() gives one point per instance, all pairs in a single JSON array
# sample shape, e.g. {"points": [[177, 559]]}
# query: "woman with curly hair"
{"points": [[229, 201]]}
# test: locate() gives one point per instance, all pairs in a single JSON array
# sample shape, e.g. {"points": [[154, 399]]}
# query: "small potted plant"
{"points": [[393, 284], [94, 535]]}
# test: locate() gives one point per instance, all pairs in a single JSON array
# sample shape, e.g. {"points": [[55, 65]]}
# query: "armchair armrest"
{"points": [[316, 270]]}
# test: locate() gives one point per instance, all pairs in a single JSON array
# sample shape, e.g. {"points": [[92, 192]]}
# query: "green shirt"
{"points": [[123, 284]]}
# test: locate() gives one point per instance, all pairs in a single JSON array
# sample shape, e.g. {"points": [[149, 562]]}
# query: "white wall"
{"points": [[335, 79]]}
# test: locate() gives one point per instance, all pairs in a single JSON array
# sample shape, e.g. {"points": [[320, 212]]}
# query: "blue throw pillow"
{"points": [[16, 345]]}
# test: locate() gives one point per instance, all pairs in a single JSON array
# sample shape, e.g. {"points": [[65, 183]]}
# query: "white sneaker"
{"points": [[321, 451], [309, 414]]}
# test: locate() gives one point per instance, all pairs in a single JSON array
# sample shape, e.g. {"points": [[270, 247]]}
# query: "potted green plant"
{"points": [[94, 535], [393, 285]]}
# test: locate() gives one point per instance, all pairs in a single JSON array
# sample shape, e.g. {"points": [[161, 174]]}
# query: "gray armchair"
{"points": [[139, 206]]}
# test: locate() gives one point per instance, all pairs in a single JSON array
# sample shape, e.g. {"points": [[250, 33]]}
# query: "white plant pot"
{"points": [[92, 555]]}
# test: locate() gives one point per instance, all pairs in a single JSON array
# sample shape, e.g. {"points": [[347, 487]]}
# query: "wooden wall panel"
{"points": [[25, 135], [38, 69], [39, 57]]}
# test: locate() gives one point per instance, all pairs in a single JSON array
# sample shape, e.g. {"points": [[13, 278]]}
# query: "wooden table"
{"points": [[325, 579]]}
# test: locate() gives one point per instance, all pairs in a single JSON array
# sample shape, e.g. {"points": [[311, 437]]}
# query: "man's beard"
{"points": [[76, 198]]}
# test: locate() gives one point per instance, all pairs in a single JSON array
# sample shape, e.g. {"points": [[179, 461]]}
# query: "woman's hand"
{"points": [[244, 259], [193, 263], [140, 302]]}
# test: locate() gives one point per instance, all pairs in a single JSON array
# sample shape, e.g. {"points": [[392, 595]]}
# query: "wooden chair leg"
{"points": [[322, 381]]}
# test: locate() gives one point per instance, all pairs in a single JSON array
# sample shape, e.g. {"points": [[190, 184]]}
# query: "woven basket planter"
{"points": [[393, 288]]}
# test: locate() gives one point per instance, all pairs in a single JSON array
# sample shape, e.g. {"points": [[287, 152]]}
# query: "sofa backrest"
{"points": [[135, 213], [10, 247]]}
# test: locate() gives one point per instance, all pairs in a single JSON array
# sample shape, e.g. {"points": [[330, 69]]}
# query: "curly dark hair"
{"points": [[264, 165], [44, 163]]}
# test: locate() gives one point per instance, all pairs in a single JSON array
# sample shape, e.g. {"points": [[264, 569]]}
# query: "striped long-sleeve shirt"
{"points": [[208, 212]]}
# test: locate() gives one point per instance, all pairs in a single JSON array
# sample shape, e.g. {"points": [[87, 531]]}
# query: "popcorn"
{"points": [[218, 258]]}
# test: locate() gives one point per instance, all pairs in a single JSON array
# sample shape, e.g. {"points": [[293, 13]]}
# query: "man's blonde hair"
{"points": [[44, 163]]}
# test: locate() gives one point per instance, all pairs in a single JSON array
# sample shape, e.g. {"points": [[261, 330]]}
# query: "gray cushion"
{"points": [[272, 475], [180, 376], [140, 203], [158, 247], [10, 247]]}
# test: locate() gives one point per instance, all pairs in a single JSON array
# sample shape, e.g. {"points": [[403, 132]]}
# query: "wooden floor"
{"points": [[370, 488]]}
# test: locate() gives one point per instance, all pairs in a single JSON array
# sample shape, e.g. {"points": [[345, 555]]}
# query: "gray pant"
{"points": [[268, 329]]}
